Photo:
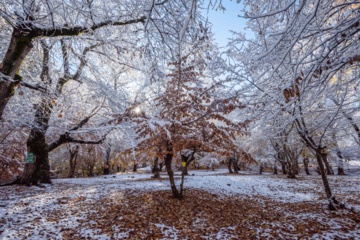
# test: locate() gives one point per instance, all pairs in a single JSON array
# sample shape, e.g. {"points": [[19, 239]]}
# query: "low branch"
{"points": [[74, 31], [19, 80]]}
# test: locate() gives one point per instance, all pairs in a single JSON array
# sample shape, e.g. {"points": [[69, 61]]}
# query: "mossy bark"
{"points": [[38, 146]]}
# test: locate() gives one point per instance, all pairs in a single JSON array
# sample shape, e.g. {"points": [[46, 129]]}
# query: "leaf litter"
{"points": [[252, 207]]}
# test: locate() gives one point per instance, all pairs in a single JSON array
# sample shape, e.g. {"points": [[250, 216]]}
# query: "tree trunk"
{"points": [[184, 170], [261, 169], [73, 161], [25, 177], [91, 170], [340, 163], [306, 166], [275, 169], [107, 160], [156, 169], [291, 167], [235, 166], [38, 146], [297, 168], [229, 163], [283, 167], [135, 167], [329, 170], [319, 155], [20, 45], [170, 172]]}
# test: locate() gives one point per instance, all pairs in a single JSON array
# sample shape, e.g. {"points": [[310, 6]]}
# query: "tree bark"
{"points": [[291, 165], [329, 170], [156, 169], [283, 167], [107, 160], [320, 153], [73, 161], [275, 169], [38, 146], [135, 167], [229, 163], [175, 192], [235, 166], [20, 45], [306, 166]]}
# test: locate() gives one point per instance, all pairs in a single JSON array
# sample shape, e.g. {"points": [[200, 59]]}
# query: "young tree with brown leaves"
{"points": [[188, 118]]}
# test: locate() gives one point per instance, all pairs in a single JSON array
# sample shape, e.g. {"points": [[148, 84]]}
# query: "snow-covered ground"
{"points": [[25, 211]]}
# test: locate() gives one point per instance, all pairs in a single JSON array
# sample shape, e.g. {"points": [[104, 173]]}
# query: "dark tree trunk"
{"points": [[37, 145], [168, 159], [135, 167], [106, 170], [235, 166], [229, 163], [184, 169], [275, 169], [261, 169], [73, 161], [283, 167], [306, 166], [156, 170], [297, 167], [107, 160], [341, 171], [291, 168]]}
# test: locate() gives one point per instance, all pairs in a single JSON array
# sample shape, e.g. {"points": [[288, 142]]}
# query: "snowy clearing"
{"points": [[117, 206]]}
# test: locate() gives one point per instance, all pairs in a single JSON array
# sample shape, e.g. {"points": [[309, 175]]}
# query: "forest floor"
{"points": [[217, 205]]}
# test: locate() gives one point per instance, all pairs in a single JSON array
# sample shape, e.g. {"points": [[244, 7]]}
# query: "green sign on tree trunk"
{"points": [[29, 158]]}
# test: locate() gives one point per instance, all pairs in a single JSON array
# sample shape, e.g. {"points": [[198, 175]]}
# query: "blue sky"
{"points": [[223, 21]]}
